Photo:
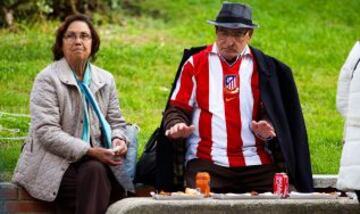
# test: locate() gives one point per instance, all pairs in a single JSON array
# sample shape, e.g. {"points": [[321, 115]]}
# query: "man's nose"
{"points": [[230, 40]]}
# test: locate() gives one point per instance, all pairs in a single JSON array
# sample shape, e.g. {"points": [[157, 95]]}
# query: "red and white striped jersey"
{"points": [[223, 100]]}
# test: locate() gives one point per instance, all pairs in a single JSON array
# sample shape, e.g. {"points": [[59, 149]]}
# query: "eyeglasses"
{"points": [[232, 33], [71, 37]]}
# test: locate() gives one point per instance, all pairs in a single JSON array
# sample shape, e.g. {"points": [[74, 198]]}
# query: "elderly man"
{"points": [[238, 113]]}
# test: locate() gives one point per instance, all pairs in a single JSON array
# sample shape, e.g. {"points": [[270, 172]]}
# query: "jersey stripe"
{"points": [[232, 113], [183, 91], [259, 144], [205, 133], [246, 109], [216, 104]]}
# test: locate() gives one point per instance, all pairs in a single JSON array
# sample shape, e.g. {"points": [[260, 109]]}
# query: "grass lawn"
{"points": [[312, 37]]}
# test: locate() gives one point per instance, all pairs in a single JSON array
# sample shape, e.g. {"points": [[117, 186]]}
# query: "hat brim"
{"points": [[232, 25]]}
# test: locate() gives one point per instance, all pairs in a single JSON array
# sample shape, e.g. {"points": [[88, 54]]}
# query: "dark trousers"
{"points": [[235, 179], [88, 186]]}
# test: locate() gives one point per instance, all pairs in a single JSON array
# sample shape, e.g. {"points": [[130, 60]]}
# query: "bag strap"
{"points": [[186, 55], [357, 63]]}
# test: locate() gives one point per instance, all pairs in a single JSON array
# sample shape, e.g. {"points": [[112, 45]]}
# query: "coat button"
{"points": [[81, 121], [54, 193]]}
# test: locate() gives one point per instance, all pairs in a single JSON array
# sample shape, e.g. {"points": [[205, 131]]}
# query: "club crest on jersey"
{"points": [[231, 83]]}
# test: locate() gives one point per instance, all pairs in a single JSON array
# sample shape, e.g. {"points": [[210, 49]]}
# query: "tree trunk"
{"points": [[7, 11], [72, 4], [8, 16]]}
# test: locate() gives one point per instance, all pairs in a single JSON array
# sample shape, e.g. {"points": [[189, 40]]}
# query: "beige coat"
{"points": [[348, 104], [56, 126]]}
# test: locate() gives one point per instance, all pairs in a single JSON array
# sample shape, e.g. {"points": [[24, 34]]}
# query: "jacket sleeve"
{"points": [[174, 115], [46, 122], [344, 82], [114, 116]]}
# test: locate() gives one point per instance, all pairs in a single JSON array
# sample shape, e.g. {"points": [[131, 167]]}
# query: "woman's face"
{"points": [[77, 42]]}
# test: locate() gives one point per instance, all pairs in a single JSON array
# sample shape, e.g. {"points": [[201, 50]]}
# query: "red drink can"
{"points": [[281, 184]]}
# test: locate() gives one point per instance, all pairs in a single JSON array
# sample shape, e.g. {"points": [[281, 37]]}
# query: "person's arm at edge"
{"points": [[344, 82]]}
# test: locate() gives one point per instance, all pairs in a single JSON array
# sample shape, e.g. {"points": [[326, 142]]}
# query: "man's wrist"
{"points": [[266, 139]]}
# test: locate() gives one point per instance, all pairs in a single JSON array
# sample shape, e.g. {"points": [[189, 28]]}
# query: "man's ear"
{"points": [[250, 32]]}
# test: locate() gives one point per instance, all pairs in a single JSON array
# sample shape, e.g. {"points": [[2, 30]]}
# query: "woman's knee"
{"points": [[94, 167]]}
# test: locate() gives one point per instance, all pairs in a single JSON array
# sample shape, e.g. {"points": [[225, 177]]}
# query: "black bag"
{"points": [[146, 166]]}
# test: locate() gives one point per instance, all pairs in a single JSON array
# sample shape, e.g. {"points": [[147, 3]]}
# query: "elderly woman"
{"points": [[348, 104], [77, 138]]}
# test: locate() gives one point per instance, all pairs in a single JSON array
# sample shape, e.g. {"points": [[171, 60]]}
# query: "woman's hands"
{"points": [[119, 147], [109, 156], [106, 156]]}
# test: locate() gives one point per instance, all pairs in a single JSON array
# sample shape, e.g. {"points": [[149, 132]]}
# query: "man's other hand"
{"points": [[180, 130], [263, 129]]}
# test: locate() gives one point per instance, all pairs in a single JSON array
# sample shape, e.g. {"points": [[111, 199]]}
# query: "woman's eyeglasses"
{"points": [[71, 37]]}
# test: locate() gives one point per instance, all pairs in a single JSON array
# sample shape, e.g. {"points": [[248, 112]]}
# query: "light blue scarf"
{"points": [[89, 99]]}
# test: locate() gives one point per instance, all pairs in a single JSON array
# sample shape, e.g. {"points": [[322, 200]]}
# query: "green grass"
{"points": [[312, 37]]}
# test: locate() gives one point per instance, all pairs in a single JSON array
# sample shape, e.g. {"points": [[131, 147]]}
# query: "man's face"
{"points": [[231, 42]]}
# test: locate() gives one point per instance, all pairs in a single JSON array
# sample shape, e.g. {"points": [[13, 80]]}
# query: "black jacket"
{"points": [[281, 102]]}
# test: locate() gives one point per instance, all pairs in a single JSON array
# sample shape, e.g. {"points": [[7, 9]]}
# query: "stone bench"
{"points": [[14, 199], [322, 183], [255, 206]]}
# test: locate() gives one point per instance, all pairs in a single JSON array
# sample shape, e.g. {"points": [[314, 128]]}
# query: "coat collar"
{"points": [[261, 61], [66, 75]]}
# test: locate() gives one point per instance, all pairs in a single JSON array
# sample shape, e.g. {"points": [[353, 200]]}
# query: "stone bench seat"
{"points": [[148, 205]]}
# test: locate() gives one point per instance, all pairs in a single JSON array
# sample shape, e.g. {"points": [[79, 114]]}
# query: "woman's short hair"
{"points": [[57, 47]]}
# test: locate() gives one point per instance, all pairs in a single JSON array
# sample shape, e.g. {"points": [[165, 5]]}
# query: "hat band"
{"points": [[228, 19]]}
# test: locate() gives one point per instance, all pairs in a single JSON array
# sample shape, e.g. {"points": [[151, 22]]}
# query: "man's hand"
{"points": [[180, 130], [106, 156], [119, 147], [263, 129]]}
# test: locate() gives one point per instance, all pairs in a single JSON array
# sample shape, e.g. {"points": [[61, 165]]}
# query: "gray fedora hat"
{"points": [[234, 15]]}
